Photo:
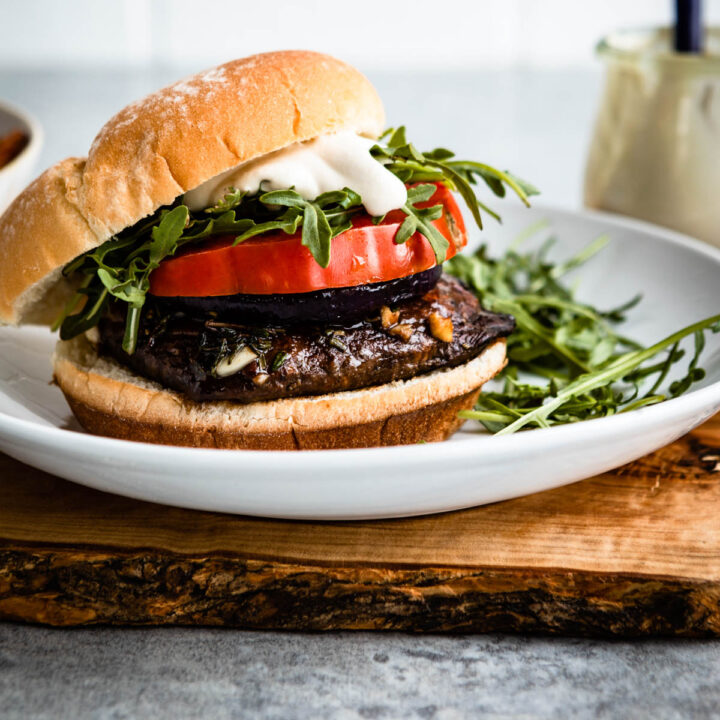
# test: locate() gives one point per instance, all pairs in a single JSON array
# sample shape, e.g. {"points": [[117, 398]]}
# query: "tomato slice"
{"points": [[279, 263]]}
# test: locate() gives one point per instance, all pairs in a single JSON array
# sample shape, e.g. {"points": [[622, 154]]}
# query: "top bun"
{"points": [[163, 146]]}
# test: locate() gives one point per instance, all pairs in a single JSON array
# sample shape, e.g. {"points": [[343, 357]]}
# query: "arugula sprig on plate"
{"points": [[121, 267], [567, 360]]}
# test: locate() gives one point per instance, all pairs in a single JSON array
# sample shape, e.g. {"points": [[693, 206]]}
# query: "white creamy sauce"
{"points": [[327, 163], [235, 363]]}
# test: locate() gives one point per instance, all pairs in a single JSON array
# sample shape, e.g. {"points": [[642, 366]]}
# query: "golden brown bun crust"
{"points": [[109, 400], [166, 144], [41, 231], [432, 423], [179, 137]]}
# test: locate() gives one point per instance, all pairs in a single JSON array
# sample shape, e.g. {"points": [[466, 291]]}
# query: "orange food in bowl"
{"points": [[11, 145]]}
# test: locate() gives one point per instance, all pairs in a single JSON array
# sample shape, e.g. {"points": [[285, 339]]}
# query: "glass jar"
{"points": [[655, 153]]}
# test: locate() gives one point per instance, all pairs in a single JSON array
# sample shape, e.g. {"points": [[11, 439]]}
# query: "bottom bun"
{"points": [[108, 399]]}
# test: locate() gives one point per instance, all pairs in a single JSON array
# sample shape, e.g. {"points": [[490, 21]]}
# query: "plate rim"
{"points": [[22, 430]]}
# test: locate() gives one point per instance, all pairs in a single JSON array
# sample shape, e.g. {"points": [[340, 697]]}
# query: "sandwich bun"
{"points": [[145, 157], [108, 399], [162, 146]]}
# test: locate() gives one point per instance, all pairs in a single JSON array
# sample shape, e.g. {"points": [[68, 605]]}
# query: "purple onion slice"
{"points": [[321, 306]]}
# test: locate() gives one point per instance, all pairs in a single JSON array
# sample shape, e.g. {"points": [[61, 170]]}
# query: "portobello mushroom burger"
{"points": [[246, 260]]}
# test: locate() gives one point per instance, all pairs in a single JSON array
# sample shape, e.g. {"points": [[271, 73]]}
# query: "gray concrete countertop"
{"points": [[538, 124], [203, 673]]}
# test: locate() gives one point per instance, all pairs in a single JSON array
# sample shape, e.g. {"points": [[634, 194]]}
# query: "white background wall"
{"points": [[516, 82], [374, 34]]}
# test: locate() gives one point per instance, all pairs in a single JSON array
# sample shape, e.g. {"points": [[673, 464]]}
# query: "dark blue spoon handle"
{"points": [[688, 26]]}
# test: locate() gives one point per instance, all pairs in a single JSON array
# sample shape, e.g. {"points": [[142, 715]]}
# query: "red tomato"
{"points": [[278, 263]]}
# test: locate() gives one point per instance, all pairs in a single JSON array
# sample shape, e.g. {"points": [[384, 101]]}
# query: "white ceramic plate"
{"points": [[680, 279]]}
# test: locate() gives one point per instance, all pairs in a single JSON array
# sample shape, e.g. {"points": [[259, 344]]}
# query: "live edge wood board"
{"points": [[630, 553]]}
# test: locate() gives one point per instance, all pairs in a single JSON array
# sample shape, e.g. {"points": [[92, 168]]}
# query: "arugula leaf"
{"points": [[420, 220], [420, 193], [590, 370], [165, 236], [617, 370], [316, 231], [96, 300], [289, 222], [411, 166], [121, 267], [128, 283], [316, 234], [407, 229], [230, 200], [397, 137]]}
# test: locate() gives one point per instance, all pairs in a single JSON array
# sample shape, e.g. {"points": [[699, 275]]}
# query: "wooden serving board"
{"points": [[634, 552]]}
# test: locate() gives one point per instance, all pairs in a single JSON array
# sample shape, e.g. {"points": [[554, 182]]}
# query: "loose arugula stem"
{"points": [[521, 188], [643, 402], [525, 320], [132, 325], [616, 371], [486, 416], [590, 370], [582, 257]]}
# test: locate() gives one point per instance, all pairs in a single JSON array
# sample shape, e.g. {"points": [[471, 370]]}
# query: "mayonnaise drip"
{"points": [[329, 162]]}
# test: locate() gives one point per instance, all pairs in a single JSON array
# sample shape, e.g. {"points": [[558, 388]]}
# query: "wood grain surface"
{"points": [[633, 552]]}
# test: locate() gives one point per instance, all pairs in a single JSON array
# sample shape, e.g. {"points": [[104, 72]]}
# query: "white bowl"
{"points": [[15, 175]]}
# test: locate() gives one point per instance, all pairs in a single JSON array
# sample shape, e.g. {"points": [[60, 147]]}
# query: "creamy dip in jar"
{"points": [[655, 152]]}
